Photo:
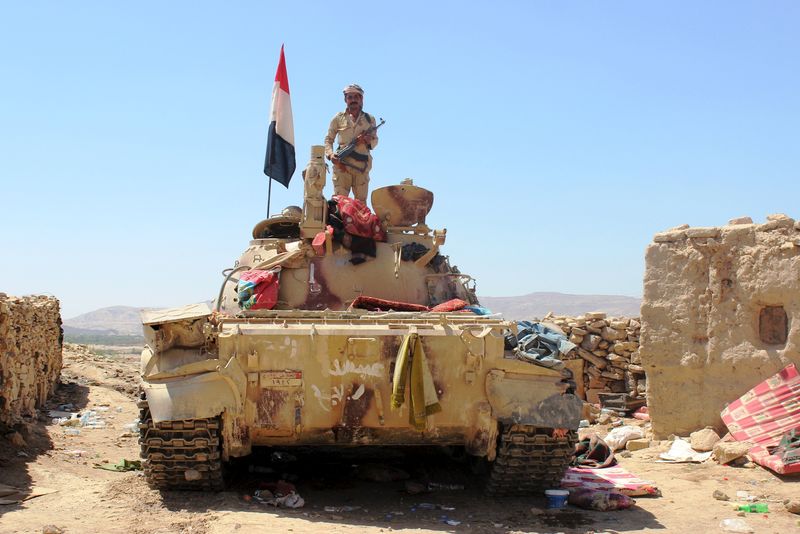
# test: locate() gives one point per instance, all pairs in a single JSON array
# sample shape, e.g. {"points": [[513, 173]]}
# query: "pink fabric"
{"points": [[266, 288], [764, 414], [616, 479]]}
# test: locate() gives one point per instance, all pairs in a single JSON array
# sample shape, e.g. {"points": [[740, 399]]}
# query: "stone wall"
{"points": [[719, 314], [30, 354], [609, 348]]}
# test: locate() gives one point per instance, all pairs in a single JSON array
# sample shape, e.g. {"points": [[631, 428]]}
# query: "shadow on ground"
{"points": [[346, 482], [15, 460]]}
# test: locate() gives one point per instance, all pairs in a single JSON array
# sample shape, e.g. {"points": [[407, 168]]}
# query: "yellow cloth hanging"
{"points": [[422, 395]]}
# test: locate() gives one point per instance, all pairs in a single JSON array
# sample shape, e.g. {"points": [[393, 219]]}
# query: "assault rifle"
{"points": [[348, 150]]}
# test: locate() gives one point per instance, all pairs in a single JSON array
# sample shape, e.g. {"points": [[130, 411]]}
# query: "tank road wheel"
{"points": [[180, 454], [529, 460]]}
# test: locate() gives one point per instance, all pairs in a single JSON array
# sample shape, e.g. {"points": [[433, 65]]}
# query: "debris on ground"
{"points": [[720, 495], [618, 437], [681, 452], [12, 495], [121, 466], [704, 440], [602, 501]]}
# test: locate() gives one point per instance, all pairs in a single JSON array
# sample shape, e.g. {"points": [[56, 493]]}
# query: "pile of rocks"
{"points": [[30, 355], [609, 347]]}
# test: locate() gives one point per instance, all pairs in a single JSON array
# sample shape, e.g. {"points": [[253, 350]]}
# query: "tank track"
{"points": [[529, 460], [180, 455]]}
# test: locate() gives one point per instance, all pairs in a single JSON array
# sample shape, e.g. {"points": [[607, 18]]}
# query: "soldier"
{"points": [[352, 172]]}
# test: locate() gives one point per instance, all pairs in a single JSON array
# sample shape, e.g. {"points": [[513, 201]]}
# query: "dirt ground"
{"points": [[81, 498]]}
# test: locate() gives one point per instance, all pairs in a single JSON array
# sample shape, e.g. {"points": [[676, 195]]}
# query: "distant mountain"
{"points": [[113, 321], [125, 320], [537, 305]]}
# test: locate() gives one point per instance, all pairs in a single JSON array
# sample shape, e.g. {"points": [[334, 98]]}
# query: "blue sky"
{"points": [[557, 137]]}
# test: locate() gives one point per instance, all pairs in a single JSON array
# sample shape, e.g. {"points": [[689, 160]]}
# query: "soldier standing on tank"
{"points": [[352, 172]]}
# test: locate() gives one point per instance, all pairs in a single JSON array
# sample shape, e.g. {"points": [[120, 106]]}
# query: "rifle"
{"points": [[349, 148]]}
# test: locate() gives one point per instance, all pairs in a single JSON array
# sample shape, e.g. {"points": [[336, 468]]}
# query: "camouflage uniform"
{"points": [[345, 177]]}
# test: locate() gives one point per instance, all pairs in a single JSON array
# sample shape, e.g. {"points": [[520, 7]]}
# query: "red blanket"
{"points": [[358, 219]]}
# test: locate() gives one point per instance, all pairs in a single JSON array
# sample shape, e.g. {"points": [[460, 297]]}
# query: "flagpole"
{"points": [[269, 195]]}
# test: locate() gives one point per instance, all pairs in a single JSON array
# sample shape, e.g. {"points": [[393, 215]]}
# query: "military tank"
{"points": [[321, 337]]}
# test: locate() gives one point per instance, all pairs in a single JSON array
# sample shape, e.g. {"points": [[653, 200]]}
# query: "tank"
{"points": [[342, 341]]}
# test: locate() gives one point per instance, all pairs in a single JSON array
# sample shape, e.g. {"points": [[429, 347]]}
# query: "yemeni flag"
{"points": [[280, 163]]}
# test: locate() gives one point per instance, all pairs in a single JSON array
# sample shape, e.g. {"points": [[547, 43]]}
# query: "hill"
{"points": [[124, 321], [537, 305], [115, 320]]}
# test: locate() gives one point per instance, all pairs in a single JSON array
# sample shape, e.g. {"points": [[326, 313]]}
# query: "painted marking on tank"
{"points": [[327, 401], [376, 369]]}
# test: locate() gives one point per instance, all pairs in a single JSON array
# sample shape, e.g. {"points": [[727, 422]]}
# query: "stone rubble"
{"points": [[609, 347], [30, 355]]}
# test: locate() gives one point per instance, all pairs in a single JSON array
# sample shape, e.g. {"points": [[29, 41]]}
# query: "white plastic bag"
{"points": [[617, 438]]}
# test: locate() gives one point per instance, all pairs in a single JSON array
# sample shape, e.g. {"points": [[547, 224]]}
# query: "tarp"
{"points": [[764, 414], [540, 344]]}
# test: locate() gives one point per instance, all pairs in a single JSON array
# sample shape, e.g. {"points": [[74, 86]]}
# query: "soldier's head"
{"points": [[354, 98]]}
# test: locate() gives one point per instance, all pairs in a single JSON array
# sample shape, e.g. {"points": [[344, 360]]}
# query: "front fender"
{"points": [[197, 393], [532, 400]]}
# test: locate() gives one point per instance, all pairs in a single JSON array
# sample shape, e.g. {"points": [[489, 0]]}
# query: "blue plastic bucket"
{"points": [[556, 498]]}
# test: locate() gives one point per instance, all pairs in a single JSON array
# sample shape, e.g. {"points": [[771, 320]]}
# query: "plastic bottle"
{"points": [[756, 508], [735, 525]]}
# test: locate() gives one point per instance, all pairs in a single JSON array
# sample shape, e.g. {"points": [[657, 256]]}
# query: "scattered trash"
{"points": [[584, 423], [282, 457], [12, 495], [431, 506], [76, 453], [433, 486], [72, 431], [720, 496], [754, 508], [601, 501], [415, 488], [132, 427], [260, 469], [556, 498], [744, 496], [643, 414], [341, 508], [122, 465], [617, 438], [68, 407], [451, 522], [681, 451], [735, 525], [279, 494], [380, 473]]}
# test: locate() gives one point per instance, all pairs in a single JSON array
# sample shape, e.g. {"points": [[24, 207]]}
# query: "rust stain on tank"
{"points": [[322, 299], [269, 404], [413, 209], [390, 345], [354, 410]]}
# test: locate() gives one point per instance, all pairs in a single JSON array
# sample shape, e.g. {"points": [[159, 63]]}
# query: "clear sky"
{"points": [[557, 137]]}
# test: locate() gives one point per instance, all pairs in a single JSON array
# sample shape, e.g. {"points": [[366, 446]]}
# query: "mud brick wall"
{"points": [[720, 313], [609, 348], [30, 354]]}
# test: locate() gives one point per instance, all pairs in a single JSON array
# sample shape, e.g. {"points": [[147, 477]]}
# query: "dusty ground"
{"points": [[86, 499]]}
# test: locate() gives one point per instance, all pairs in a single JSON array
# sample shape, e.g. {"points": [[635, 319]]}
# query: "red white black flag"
{"points": [[279, 163]]}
